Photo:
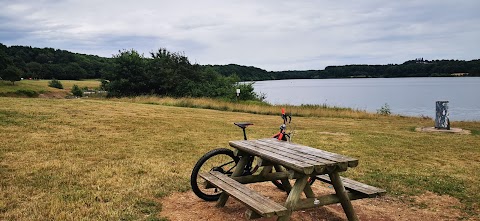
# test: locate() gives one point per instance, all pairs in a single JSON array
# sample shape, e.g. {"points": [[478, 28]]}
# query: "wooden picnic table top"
{"points": [[300, 158]]}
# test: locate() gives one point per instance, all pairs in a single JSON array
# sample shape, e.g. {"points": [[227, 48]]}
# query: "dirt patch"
{"points": [[429, 206], [433, 129], [57, 94]]}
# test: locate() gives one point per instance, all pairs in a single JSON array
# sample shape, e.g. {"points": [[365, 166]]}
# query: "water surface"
{"points": [[405, 96]]}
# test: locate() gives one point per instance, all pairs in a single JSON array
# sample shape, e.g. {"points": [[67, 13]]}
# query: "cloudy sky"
{"points": [[273, 35]]}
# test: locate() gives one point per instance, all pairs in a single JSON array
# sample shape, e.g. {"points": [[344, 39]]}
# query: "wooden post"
{"points": [[238, 171], [266, 170], [286, 184], [308, 190], [342, 196], [293, 197]]}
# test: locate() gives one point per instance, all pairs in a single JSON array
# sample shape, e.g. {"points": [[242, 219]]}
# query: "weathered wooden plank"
{"points": [[279, 145], [235, 193], [322, 157], [253, 200], [293, 197], [272, 207], [299, 166], [355, 186], [319, 164], [262, 162], [352, 162], [285, 183], [266, 170], [250, 214], [324, 200], [322, 165], [260, 178], [255, 146], [308, 191], [237, 172], [343, 197]]}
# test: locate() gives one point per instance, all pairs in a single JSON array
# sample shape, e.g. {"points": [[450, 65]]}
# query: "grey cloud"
{"points": [[274, 35]]}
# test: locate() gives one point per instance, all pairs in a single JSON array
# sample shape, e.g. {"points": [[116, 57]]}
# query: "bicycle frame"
{"points": [[283, 135]]}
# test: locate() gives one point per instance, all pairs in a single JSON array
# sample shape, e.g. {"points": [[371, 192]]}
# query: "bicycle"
{"points": [[224, 160]]}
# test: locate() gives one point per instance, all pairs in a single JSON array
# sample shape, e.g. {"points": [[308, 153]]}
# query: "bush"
{"points": [[55, 83], [247, 93], [26, 92], [384, 110], [76, 91]]}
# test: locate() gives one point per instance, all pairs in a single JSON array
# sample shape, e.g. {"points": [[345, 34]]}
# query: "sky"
{"points": [[274, 35]]}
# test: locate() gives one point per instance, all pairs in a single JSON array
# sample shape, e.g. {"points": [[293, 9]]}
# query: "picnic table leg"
{"points": [[308, 191], [342, 196], [266, 170], [293, 197], [286, 184], [237, 172]]}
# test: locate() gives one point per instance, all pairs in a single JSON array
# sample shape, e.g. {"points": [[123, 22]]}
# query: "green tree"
{"points": [[128, 76], [34, 69], [11, 74], [76, 91], [5, 61], [55, 83]]}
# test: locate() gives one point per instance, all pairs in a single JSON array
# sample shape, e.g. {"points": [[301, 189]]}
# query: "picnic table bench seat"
{"points": [[261, 205], [355, 186]]}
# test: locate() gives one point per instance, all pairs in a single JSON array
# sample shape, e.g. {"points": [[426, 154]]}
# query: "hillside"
{"points": [[35, 88]]}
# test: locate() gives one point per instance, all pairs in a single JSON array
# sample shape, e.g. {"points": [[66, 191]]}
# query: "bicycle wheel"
{"points": [[222, 160]]}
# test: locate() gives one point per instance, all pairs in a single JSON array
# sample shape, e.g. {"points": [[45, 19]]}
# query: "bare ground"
{"points": [[429, 206]]}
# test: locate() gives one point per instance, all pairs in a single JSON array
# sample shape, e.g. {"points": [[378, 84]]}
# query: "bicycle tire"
{"points": [[227, 158]]}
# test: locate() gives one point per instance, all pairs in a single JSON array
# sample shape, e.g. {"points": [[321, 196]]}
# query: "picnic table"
{"points": [[291, 162]]}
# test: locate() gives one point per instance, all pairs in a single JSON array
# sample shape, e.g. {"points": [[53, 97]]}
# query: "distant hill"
{"points": [[48, 63], [412, 68]]}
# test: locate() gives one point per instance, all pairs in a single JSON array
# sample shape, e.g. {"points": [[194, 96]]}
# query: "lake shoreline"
{"points": [[406, 96]]}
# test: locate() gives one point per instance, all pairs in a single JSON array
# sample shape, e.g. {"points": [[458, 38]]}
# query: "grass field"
{"points": [[36, 87], [80, 159]]}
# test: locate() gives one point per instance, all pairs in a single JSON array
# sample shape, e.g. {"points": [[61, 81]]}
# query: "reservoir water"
{"points": [[404, 96]]}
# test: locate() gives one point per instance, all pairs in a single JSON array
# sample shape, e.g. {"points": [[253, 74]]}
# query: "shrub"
{"points": [[384, 110], [76, 91], [55, 83], [26, 92]]}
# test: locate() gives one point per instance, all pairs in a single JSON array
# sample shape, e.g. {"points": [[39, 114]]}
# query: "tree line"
{"points": [[412, 68], [48, 63], [171, 74]]}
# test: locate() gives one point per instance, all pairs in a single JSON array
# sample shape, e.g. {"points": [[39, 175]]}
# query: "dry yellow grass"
{"points": [[108, 160], [251, 107], [41, 86]]}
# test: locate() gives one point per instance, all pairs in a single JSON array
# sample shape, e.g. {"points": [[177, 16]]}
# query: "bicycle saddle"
{"points": [[243, 125]]}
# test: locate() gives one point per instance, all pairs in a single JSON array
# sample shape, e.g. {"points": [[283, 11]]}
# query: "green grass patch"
{"points": [[475, 132], [414, 183]]}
